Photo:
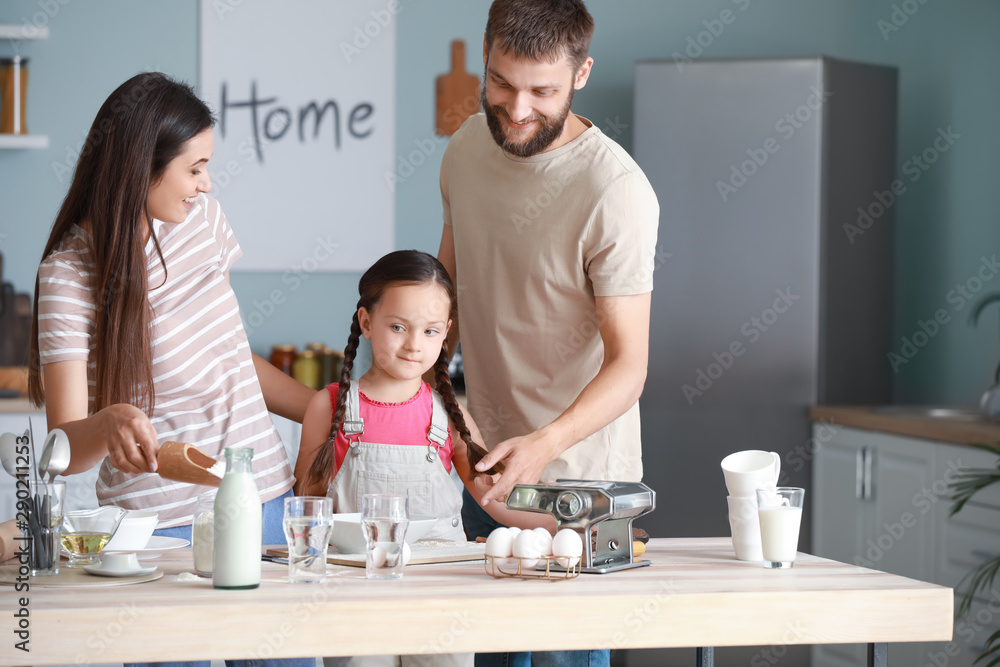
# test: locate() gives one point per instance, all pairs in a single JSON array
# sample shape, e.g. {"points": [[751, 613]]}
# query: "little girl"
{"points": [[390, 432]]}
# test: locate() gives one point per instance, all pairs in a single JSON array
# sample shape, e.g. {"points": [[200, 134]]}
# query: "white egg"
{"points": [[544, 540], [514, 531], [567, 547], [527, 549], [377, 556], [406, 553], [500, 543]]}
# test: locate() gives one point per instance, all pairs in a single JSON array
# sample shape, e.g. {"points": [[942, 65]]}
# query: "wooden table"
{"points": [[695, 594]]}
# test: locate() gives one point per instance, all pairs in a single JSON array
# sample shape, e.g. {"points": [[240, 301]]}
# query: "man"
{"points": [[549, 235]]}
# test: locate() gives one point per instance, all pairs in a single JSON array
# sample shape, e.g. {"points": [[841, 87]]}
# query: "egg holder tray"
{"points": [[552, 571]]}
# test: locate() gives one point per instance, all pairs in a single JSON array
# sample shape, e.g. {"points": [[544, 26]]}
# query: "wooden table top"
{"points": [[695, 593]]}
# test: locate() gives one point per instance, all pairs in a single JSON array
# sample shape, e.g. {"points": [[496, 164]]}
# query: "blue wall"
{"points": [[948, 54]]}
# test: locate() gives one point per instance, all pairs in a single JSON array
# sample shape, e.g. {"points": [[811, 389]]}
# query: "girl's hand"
{"points": [[482, 482], [130, 437]]}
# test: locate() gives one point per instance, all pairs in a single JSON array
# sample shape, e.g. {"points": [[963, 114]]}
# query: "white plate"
{"points": [[158, 545], [100, 571]]}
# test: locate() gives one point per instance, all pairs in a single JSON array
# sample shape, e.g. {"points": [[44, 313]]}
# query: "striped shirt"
{"points": [[207, 392]]}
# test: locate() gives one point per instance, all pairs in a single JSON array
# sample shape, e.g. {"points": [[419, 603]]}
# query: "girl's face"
{"points": [[407, 329], [186, 176]]}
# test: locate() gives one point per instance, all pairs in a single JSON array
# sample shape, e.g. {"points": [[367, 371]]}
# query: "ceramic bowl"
{"points": [[134, 531], [348, 537]]}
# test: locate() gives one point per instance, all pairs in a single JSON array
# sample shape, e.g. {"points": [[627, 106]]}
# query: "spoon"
{"points": [[55, 455], [8, 453]]}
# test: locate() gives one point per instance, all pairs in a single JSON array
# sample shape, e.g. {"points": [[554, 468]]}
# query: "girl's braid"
{"points": [[443, 381], [322, 466]]}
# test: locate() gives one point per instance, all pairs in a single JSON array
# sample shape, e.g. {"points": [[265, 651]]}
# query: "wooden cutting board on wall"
{"points": [[457, 93]]}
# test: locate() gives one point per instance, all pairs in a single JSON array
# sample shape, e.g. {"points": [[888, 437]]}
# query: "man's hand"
{"points": [[524, 458]]}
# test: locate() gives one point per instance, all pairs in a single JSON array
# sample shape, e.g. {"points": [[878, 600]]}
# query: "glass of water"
{"points": [[307, 522], [384, 519]]}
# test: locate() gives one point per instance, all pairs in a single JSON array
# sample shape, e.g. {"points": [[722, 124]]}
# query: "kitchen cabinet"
{"points": [[865, 491], [882, 501], [966, 540]]}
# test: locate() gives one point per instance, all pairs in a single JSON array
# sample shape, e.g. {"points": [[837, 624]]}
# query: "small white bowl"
{"points": [[349, 538], [133, 532]]}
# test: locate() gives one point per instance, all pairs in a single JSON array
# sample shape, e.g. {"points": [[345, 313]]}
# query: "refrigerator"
{"points": [[773, 279]]}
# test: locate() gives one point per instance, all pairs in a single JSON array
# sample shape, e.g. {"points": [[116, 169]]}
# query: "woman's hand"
{"points": [[120, 431], [130, 437]]}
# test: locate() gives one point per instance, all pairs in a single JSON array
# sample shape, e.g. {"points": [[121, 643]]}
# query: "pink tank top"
{"points": [[403, 423]]}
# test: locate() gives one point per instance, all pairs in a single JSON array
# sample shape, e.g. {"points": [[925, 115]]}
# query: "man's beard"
{"points": [[550, 130]]}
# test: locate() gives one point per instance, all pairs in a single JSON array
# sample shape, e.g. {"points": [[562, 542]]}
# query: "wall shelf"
{"points": [[24, 141], [10, 31], [23, 32]]}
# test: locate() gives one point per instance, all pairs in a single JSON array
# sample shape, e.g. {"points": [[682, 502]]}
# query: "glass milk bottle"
{"points": [[236, 558]]}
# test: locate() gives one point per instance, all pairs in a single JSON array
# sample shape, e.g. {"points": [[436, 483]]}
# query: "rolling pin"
{"points": [[183, 462]]}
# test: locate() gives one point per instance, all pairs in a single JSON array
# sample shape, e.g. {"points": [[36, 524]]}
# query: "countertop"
{"points": [[910, 421], [695, 593], [20, 404]]}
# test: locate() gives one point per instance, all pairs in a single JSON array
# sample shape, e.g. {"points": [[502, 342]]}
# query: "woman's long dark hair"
{"points": [[140, 128], [403, 267]]}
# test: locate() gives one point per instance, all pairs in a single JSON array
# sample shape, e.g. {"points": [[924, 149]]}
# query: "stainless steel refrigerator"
{"points": [[773, 283]]}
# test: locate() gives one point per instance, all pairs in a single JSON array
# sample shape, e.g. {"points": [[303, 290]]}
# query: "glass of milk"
{"points": [[780, 513]]}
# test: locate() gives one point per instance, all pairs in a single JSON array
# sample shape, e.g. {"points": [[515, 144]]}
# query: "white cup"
{"points": [[745, 527], [750, 470], [120, 562]]}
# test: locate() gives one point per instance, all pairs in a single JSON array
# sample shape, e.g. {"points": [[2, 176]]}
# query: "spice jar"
{"points": [[283, 358], [203, 533], [13, 94], [338, 364], [307, 369], [327, 362]]}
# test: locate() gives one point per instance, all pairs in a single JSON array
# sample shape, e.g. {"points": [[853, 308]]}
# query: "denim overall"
{"points": [[404, 469]]}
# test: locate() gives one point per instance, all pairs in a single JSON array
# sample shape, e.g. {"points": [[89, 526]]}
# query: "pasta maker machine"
{"points": [[601, 512]]}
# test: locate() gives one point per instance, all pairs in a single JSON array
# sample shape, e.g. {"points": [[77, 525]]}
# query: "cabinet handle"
{"points": [[859, 474], [869, 455]]}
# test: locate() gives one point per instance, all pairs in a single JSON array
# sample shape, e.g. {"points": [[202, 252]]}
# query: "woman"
{"points": [[136, 332]]}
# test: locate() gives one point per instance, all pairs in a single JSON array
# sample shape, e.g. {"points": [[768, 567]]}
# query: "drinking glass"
{"points": [[308, 522], [384, 518], [42, 515], [780, 513], [86, 532]]}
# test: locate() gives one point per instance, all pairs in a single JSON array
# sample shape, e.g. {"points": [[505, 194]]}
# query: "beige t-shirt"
{"points": [[207, 392], [536, 239]]}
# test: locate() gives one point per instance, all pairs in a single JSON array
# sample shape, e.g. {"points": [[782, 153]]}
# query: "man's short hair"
{"points": [[543, 30]]}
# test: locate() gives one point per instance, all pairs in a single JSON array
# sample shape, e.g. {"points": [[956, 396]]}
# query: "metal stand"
{"points": [[878, 655], [706, 657]]}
